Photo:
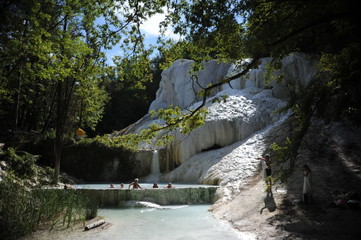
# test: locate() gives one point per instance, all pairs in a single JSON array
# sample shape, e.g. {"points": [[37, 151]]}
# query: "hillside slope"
{"points": [[332, 153]]}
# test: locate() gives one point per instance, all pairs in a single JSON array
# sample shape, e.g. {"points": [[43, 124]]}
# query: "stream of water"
{"points": [[154, 170]]}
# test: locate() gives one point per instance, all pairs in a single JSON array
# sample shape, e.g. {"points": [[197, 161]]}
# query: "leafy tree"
{"points": [[53, 61]]}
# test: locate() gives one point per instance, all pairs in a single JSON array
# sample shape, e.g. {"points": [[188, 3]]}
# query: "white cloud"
{"points": [[151, 26]]}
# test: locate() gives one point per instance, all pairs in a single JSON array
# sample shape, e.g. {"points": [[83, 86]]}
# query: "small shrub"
{"points": [[91, 207], [20, 162]]}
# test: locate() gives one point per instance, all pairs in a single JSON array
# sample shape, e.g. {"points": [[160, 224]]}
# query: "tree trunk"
{"points": [[16, 106], [57, 157], [94, 225], [59, 130]]}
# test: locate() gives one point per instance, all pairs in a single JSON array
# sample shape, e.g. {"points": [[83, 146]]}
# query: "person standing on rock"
{"points": [[307, 188], [266, 165]]}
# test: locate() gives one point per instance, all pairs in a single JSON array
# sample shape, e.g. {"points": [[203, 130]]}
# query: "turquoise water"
{"points": [[189, 222], [143, 185], [180, 223]]}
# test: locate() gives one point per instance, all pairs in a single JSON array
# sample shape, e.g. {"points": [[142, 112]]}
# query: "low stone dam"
{"points": [[162, 196]]}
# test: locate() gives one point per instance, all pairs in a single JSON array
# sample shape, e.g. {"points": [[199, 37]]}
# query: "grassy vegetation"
{"points": [[26, 205]]}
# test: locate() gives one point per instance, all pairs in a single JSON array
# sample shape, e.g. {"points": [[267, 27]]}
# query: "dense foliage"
{"points": [[130, 96], [54, 74]]}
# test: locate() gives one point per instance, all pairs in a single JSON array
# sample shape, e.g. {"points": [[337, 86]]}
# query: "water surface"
{"points": [[143, 185], [181, 223]]}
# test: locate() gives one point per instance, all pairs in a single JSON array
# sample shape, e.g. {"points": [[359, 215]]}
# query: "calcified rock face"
{"points": [[230, 167], [178, 89], [245, 112], [296, 72], [224, 150]]}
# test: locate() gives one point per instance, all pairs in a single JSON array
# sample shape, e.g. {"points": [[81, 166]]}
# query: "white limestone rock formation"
{"points": [[230, 167], [244, 113], [237, 127], [178, 89], [296, 72]]}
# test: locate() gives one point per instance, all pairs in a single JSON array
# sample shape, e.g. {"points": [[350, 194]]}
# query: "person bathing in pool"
{"points": [[135, 184]]}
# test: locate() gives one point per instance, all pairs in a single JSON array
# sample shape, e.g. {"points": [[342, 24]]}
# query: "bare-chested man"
{"points": [[135, 184]]}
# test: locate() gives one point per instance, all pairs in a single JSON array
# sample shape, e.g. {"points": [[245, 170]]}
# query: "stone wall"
{"points": [[174, 196]]}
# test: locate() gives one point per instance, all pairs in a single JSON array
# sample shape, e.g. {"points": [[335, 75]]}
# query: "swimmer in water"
{"points": [[135, 184]]}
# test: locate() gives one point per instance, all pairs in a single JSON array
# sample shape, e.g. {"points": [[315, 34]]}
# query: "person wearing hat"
{"points": [[79, 134], [135, 184]]}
